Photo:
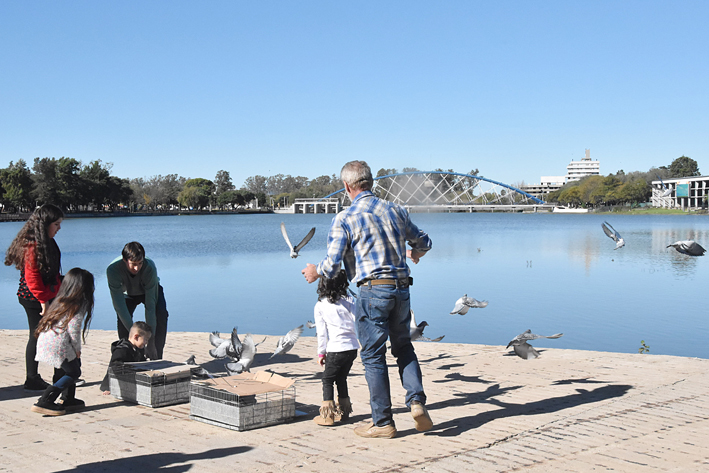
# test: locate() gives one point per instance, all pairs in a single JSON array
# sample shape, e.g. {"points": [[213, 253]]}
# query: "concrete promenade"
{"points": [[566, 411]]}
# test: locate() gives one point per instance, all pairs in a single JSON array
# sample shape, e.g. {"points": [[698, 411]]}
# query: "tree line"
{"points": [[621, 188]]}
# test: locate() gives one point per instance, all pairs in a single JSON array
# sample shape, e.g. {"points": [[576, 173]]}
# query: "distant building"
{"points": [[574, 172], [680, 193], [580, 169]]}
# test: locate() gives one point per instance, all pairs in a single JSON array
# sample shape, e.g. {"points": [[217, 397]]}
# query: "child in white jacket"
{"points": [[337, 346]]}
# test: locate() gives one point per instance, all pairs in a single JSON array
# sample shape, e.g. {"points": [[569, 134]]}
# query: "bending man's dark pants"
{"points": [[161, 316]]}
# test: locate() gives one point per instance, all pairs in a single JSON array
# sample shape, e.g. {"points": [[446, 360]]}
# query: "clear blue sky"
{"points": [[514, 88]]}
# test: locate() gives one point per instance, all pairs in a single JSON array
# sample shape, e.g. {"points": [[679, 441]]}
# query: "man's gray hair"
{"points": [[357, 175]]}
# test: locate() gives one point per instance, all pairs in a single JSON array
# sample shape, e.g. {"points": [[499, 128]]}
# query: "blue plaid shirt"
{"points": [[370, 239]]}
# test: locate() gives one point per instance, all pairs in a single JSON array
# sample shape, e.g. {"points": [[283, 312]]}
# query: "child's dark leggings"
{"points": [[337, 367], [32, 308], [70, 372]]}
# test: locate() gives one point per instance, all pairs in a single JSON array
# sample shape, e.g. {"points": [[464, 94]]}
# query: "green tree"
{"points": [[198, 198], [45, 181], [684, 167], [16, 182]]}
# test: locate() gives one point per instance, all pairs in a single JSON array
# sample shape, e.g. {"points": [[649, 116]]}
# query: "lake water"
{"points": [[549, 273]]}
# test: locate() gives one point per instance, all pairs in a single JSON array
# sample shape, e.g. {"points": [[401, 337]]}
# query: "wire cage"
{"points": [[149, 388], [238, 412]]}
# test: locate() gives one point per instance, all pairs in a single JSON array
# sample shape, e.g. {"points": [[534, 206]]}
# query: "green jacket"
{"points": [[122, 283]]}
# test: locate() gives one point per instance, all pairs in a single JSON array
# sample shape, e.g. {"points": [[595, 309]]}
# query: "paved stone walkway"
{"points": [[568, 410]]}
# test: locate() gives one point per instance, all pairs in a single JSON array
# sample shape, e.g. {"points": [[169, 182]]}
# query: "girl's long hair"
{"points": [[333, 289], [35, 232], [75, 296]]}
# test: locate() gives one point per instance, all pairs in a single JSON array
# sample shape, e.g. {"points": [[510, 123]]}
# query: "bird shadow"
{"points": [[460, 425], [441, 356], [172, 462], [450, 377], [451, 366], [577, 381]]}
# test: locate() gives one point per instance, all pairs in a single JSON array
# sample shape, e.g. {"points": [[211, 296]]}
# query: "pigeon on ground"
{"points": [[247, 357], [223, 348], [201, 372], [613, 235], [310, 324], [688, 247], [416, 331], [523, 349], [295, 249], [286, 342], [464, 303]]}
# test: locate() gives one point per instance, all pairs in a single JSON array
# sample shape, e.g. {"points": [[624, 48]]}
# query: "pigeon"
{"points": [[201, 372], [286, 342], [416, 331], [223, 348], [613, 235], [688, 247], [523, 349], [310, 324], [247, 357], [464, 303], [667, 191], [295, 249]]}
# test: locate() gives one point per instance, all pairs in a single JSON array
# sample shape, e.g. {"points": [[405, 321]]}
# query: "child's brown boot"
{"points": [[344, 409], [327, 414]]}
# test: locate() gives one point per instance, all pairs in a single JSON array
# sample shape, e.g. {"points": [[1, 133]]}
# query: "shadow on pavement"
{"points": [[173, 462]]}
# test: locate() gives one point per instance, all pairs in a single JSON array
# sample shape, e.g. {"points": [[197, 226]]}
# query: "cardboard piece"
{"points": [[161, 368], [249, 384]]}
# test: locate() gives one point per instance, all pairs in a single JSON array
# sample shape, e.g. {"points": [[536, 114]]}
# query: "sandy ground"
{"points": [[565, 411]]}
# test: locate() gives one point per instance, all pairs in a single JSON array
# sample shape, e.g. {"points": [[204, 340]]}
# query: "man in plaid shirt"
{"points": [[370, 238]]}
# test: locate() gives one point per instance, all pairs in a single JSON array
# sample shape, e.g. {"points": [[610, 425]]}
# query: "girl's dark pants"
{"points": [[32, 308], [68, 374], [337, 367]]}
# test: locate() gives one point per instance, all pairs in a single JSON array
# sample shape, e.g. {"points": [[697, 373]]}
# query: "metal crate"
{"points": [[149, 388], [232, 411]]}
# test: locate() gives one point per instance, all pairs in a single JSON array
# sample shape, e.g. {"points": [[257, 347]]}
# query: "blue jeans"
{"points": [[72, 371], [382, 312]]}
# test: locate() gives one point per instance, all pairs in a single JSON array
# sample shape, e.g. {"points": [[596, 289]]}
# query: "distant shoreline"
{"points": [[21, 217]]}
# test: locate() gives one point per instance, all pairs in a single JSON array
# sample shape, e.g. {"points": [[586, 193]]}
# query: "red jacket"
{"points": [[33, 279]]}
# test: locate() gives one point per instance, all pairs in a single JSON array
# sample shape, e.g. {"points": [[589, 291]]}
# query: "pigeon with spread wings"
{"points": [[613, 235], [523, 349], [295, 249]]}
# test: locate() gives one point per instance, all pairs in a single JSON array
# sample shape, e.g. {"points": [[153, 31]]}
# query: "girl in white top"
{"points": [[59, 337], [337, 346]]}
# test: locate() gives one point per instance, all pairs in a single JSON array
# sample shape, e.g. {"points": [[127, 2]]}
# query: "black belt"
{"points": [[405, 282]]}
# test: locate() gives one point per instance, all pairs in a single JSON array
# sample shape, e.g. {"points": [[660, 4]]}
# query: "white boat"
{"points": [[569, 210]]}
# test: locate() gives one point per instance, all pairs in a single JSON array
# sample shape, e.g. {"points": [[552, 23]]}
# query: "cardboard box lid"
{"points": [[247, 384], [168, 369]]}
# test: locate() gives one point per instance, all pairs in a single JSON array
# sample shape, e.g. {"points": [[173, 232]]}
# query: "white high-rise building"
{"points": [[586, 167]]}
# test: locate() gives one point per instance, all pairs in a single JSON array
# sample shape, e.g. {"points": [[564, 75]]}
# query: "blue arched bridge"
{"points": [[443, 191]]}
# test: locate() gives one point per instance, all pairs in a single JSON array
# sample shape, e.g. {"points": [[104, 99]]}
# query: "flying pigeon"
{"points": [[295, 249], [523, 349], [464, 303], [310, 324], [223, 348], [613, 235], [667, 191], [247, 357], [416, 331], [688, 247], [286, 342]]}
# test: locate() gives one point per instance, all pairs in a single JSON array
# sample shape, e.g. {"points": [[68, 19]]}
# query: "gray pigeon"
{"points": [[201, 372], [286, 342], [310, 324], [247, 357], [523, 349], [224, 348], [464, 303], [613, 235], [688, 247], [416, 331], [295, 249]]}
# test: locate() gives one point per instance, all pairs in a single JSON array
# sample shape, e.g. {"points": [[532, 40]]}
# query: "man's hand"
{"points": [[414, 255], [311, 273], [321, 360]]}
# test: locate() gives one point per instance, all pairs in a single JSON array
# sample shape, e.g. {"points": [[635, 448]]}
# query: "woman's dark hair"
{"points": [[76, 295], [35, 232], [333, 289]]}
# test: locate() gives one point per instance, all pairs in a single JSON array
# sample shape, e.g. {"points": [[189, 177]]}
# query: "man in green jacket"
{"points": [[132, 280]]}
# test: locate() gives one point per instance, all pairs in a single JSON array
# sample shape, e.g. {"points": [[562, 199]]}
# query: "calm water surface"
{"points": [[550, 273]]}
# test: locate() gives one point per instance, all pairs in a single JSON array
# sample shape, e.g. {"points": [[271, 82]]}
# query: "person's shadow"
{"points": [[173, 462]]}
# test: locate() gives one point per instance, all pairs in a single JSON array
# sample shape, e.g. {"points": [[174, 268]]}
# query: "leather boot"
{"points": [[45, 404], [69, 400], [344, 409], [327, 414]]}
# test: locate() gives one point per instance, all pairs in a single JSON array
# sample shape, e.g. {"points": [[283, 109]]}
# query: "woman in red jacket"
{"points": [[35, 253]]}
